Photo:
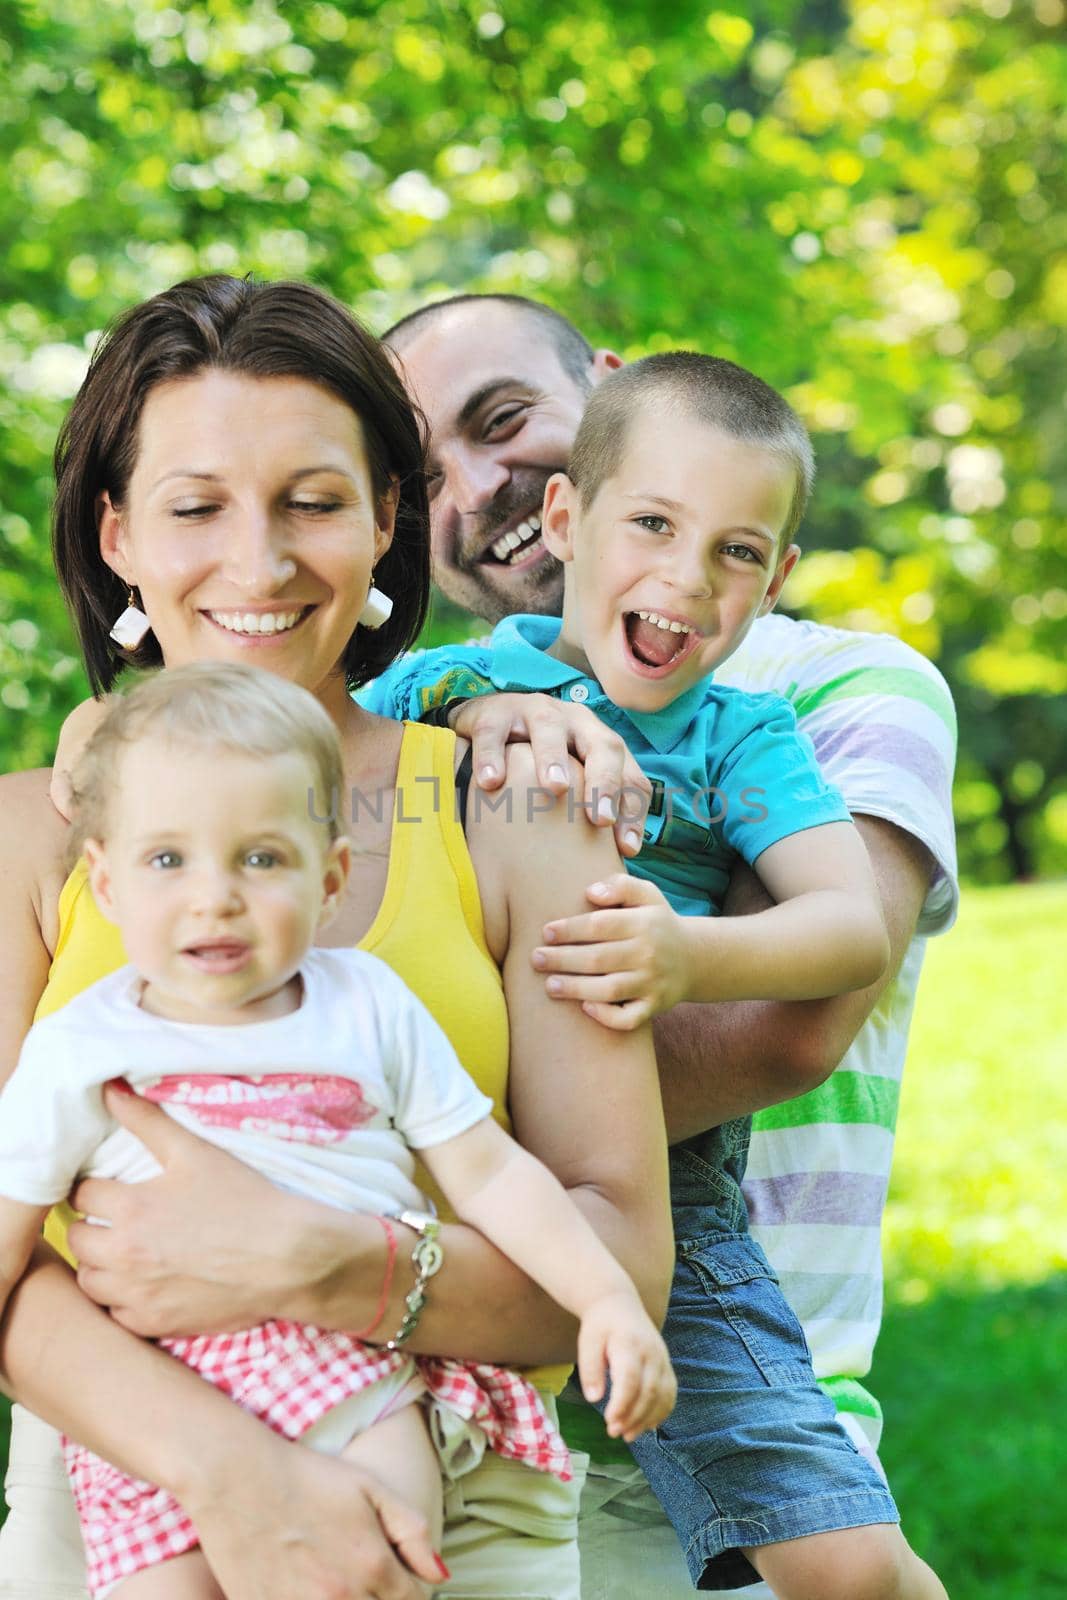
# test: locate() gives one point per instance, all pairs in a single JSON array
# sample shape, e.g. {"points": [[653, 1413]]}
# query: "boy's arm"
{"points": [[498, 1188], [636, 957]]}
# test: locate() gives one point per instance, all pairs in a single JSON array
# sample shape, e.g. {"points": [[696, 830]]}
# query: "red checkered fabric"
{"points": [[290, 1374]]}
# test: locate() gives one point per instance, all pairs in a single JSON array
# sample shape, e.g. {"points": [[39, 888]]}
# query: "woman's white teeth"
{"points": [[662, 622], [503, 547], [256, 621]]}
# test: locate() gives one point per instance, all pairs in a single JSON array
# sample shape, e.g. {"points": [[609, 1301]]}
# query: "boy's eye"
{"points": [[261, 858], [162, 860], [744, 552], [653, 524]]}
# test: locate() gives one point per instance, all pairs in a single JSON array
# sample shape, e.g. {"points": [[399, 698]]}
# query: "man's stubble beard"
{"points": [[491, 590]]}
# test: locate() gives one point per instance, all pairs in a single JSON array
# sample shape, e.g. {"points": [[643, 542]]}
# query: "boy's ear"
{"points": [[111, 531], [781, 573], [335, 872], [559, 516], [99, 877]]}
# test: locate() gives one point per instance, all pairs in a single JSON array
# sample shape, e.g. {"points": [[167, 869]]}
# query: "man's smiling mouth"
{"points": [[517, 544]]}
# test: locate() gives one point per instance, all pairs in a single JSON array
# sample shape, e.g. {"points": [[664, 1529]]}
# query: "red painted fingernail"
{"points": [[119, 1085], [442, 1569]]}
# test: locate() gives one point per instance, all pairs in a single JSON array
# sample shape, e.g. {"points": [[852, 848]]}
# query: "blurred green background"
{"points": [[863, 201]]}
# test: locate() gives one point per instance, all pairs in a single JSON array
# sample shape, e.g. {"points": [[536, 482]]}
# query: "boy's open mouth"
{"points": [[658, 643]]}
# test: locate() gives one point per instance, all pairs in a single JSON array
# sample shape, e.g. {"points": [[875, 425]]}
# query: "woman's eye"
{"points": [[261, 858], [315, 508], [191, 512], [164, 859], [654, 524]]}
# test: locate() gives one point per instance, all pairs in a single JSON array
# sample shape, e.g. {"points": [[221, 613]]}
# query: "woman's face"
{"points": [[250, 525]]}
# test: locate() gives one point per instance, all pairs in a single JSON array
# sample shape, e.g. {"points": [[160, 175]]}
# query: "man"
{"points": [[502, 382]]}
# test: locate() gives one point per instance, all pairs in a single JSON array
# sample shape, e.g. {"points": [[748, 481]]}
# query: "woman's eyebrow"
{"points": [[215, 477]]}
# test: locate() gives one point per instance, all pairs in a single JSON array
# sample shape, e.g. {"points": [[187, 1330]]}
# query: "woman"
{"points": [[239, 464]]}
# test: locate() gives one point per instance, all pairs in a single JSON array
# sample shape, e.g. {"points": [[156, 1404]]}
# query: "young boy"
{"points": [[199, 795], [687, 481]]}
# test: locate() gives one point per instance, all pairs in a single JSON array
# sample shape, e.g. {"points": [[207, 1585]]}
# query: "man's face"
{"points": [[502, 415]]}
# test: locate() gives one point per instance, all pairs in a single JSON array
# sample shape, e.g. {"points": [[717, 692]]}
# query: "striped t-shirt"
{"points": [[884, 730]]}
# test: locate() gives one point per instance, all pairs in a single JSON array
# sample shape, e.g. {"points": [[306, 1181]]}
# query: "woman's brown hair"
{"points": [[262, 330]]}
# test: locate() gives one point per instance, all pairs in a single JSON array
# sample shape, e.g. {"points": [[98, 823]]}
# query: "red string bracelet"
{"points": [[387, 1281]]}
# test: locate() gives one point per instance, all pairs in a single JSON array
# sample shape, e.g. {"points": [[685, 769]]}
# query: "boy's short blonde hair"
{"points": [[714, 391], [208, 706]]}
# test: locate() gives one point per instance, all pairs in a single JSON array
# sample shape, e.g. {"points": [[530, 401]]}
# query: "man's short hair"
{"points": [[574, 351], [707, 388], [209, 706]]}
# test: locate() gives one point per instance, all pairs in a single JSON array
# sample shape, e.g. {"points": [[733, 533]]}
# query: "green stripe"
{"points": [[844, 1097], [849, 1395], [883, 681]]}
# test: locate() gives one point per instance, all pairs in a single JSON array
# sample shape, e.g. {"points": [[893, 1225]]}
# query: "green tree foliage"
{"points": [[864, 202]]}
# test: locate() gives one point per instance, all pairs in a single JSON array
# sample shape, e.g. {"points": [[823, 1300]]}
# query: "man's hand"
{"points": [[616, 791], [74, 735], [626, 962], [200, 1249], [617, 1336]]}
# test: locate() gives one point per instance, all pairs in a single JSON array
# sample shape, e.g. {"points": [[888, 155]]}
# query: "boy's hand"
{"points": [[617, 1336], [74, 735], [626, 962]]}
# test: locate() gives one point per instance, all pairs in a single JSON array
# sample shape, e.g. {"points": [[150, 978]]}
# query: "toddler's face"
{"points": [[217, 876], [670, 563]]}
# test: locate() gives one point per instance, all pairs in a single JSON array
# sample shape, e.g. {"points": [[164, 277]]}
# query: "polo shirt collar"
{"points": [[520, 661]]}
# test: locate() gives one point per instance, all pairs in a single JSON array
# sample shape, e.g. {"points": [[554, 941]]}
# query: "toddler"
{"points": [[199, 800]]}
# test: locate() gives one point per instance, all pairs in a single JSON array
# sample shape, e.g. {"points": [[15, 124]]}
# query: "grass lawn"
{"points": [[970, 1363]]}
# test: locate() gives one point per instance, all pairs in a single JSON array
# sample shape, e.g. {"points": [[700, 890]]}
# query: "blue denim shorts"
{"points": [[753, 1453]]}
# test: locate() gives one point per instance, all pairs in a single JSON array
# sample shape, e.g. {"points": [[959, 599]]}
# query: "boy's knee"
{"points": [[870, 1563]]}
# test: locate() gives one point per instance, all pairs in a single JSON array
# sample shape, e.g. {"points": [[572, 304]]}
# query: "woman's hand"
{"points": [[207, 1247], [615, 789], [74, 735], [626, 962], [286, 1522]]}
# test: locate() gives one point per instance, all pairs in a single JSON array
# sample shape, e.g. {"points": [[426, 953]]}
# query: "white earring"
{"points": [[131, 627], [377, 609]]}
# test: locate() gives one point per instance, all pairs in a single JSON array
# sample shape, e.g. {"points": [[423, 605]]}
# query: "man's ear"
{"points": [[782, 571], [112, 534], [335, 872], [605, 361], [385, 519], [99, 877], [559, 516]]}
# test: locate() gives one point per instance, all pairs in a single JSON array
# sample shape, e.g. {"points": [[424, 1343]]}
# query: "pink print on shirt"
{"points": [[282, 1105]]}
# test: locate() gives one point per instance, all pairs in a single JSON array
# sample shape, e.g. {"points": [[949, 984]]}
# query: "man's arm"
{"points": [[728, 1060]]}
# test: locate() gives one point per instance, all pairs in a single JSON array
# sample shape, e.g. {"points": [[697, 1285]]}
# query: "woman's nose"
{"points": [[257, 559]]}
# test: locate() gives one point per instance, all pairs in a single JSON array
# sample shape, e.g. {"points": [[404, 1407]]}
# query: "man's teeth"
{"points": [[503, 547], [662, 622], [256, 621]]}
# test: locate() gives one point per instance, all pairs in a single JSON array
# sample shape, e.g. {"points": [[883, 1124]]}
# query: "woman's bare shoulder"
{"points": [[33, 845]]}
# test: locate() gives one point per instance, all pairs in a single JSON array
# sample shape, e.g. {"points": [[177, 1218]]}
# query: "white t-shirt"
{"points": [[882, 723], [328, 1101]]}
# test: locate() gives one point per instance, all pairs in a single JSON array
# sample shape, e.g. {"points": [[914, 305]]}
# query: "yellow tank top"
{"points": [[428, 928]]}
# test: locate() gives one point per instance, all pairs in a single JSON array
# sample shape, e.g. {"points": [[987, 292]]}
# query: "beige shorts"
{"points": [[510, 1532]]}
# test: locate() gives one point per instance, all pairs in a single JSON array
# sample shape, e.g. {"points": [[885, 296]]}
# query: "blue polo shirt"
{"points": [[731, 773]]}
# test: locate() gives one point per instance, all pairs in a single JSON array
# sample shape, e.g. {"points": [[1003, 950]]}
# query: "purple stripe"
{"points": [[853, 1198], [889, 745]]}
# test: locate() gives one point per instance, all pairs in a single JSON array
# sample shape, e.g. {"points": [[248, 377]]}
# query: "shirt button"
{"points": [[579, 692]]}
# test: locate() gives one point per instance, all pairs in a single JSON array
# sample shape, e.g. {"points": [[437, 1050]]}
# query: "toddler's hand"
{"points": [[617, 1336], [626, 962]]}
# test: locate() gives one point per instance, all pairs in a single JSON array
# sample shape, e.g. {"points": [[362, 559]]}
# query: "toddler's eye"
{"points": [[164, 859], [653, 524], [261, 858]]}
